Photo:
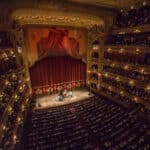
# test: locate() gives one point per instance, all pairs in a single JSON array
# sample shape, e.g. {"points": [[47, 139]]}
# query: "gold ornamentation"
{"points": [[49, 17]]}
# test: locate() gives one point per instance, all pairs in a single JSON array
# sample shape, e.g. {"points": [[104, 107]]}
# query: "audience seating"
{"points": [[84, 124]]}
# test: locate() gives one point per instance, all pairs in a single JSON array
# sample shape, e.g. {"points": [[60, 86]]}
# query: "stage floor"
{"points": [[51, 100]]}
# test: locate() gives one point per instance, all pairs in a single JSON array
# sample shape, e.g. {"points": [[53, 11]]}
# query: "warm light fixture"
{"points": [[135, 99], [18, 119], [121, 50], [19, 50], [99, 74], [144, 3], [9, 108], [126, 67], [14, 138], [4, 127], [131, 7], [122, 93], [106, 74], [110, 88], [137, 50], [147, 88], [142, 70], [131, 82], [113, 65], [109, 49], [117, 78]]}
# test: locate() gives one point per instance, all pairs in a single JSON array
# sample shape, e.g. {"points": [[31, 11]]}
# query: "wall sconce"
{"points": [[109, 49], [126, 67], [122, 93], [117, 78], [142, 70], [106, 74], [147, 88], [131, 82], [112, 65], [121, 50], [144, 3], [19, 49], [135, 99], [110, 88], [137, 50], [9, 108], [99, 74]]}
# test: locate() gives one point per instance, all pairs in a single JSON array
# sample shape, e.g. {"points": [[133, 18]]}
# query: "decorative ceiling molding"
{"points": [[27, 16]]}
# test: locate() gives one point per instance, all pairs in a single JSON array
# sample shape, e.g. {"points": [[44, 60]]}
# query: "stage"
{"points": [[51, 100]]}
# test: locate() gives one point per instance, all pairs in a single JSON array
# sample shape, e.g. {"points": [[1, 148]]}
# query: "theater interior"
{"points": [[74, 75]]}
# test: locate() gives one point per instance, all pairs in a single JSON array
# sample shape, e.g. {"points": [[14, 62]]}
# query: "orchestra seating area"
{"points": [[96, 123]]}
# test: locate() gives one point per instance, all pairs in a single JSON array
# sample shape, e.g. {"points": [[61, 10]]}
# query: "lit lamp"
{"points": [[131, 82], [110, 88], [126, 67], [122, 93], [109, 49], [147, 88], [9, 108], [135, 99], [19, 49], [14, 138], [106, 74], [142, 70], [117, 78], [121, 50], [95, 45], [113, 65], [99, 74]]}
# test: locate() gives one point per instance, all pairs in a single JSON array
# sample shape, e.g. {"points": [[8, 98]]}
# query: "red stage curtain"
{"points": [[57, 69]]}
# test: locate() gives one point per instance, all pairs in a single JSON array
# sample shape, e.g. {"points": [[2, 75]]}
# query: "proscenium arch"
{"points": [[37, 16]]}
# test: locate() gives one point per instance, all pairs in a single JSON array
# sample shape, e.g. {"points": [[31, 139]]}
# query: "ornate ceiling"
{"points": [[111, 3]]}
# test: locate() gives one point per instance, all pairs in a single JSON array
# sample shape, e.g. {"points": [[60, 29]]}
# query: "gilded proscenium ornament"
{"points": [[48, 17]]}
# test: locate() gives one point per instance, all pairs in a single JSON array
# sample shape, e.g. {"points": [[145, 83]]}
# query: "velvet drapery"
{"points": [[57, 70]]}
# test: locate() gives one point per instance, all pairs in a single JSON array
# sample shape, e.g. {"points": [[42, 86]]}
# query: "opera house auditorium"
{"points": [[74, 75]]}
